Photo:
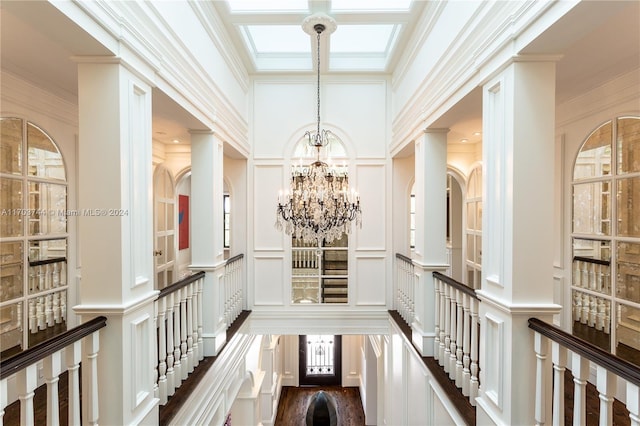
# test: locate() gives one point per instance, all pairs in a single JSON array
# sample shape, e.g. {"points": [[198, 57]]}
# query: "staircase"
{"points": [[335, 284]]}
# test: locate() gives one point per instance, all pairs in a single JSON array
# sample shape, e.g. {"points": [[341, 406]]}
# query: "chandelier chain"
{"points": [[319, 206]]}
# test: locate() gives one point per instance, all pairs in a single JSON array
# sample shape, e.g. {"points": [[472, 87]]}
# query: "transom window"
{"points": [[33, 236], [606, 238]]}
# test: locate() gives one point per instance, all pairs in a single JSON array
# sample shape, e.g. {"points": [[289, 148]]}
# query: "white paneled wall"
{"points": [[355, 109]]}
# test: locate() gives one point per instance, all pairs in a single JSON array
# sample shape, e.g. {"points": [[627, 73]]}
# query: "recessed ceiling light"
{"points": [[477, 133], [464, 140], [176, 141]]}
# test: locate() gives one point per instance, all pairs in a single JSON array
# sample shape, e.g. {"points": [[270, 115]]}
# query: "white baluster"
{"points": [[580, 373], [606, 385], [436, 340], [27, 379], [633, 403], [559, 358], [48, 310], [459, 333], [474, 384], [73, 354], [577, 306], [63, 304], [57, 315], [600, 314], [194, 322], [42, 324], [452, 334], [584, 318], [592, 311], [3, 399], [541, 345], [162, 352], [52, 370], [443, 314], [466, 345], [90, 367], [171, 386], [200, 338], [177, 364], [189, 326], [447, 327], [33, 324], [184, 361]]}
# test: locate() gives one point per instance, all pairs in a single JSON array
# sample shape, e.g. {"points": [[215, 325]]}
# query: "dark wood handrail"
{"points": [[457, 285], [178, 285], [617, 365], [234, 258], [403, 257], [592, 260], [44, 349], [47, 261]]}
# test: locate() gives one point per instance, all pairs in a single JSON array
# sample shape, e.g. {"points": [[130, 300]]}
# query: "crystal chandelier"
{"points": [[319, 206]]}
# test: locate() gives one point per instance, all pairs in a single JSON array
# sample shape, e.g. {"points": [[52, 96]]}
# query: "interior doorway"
{"points": [[320, 360]]}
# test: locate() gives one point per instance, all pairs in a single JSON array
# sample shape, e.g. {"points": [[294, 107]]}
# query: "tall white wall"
{"points": [[355, 109]]}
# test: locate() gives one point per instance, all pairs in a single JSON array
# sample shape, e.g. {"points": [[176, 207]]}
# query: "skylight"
{"points": [[277, 39], [268, 5], [362, 38], [371, 5]]}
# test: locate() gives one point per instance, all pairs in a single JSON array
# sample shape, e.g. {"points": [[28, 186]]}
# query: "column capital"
{"points": [[536, 58]]}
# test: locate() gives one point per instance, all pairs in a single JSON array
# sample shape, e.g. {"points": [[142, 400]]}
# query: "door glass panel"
{"points": [[47, 205], [11, 327], [590, 212], [11, 145], [320, 355], [628, 140], [629, 207], [628, 272], [594, 159], [13, 212], [471, 215], [45, 160], [11, 270], [592, 265], [627, 335]]}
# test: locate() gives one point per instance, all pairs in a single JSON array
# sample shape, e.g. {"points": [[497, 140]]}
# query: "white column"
{"points": [[207, 251], [116, 235], [430, 252], [517, 264]]}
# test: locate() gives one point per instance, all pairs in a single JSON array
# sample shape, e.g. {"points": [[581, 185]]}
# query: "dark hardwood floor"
{"points": [[292, 408]]}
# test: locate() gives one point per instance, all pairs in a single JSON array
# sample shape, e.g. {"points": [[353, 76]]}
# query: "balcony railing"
{"points": [[178, 317], [25, 367], [457, 333], [404, 292], [609, 370]]}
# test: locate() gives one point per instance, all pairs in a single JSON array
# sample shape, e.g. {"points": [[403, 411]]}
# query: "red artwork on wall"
{"points": [[183, 222]]}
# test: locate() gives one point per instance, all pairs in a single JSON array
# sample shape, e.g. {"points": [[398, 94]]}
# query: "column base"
{"points": [[422, 340]]}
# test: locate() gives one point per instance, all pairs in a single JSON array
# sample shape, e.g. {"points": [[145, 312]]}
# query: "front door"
{"points": [[320, 360]]}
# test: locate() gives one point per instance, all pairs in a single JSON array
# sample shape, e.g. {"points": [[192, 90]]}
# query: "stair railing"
{"points": [[609, 369], [25, 367], [405, 284], [457, 333]]}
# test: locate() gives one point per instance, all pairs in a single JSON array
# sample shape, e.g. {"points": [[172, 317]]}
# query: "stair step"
{"points": [[341, 282], [336, 290], [336, 300]]}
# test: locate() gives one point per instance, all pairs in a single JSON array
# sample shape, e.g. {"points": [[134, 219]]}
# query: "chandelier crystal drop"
{"points": [[319, 206]]}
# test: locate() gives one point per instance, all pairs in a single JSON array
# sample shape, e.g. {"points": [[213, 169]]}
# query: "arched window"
{"points": [[33, 236], [320, 272], [606, 238], [473, 229], [164, 212]]}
